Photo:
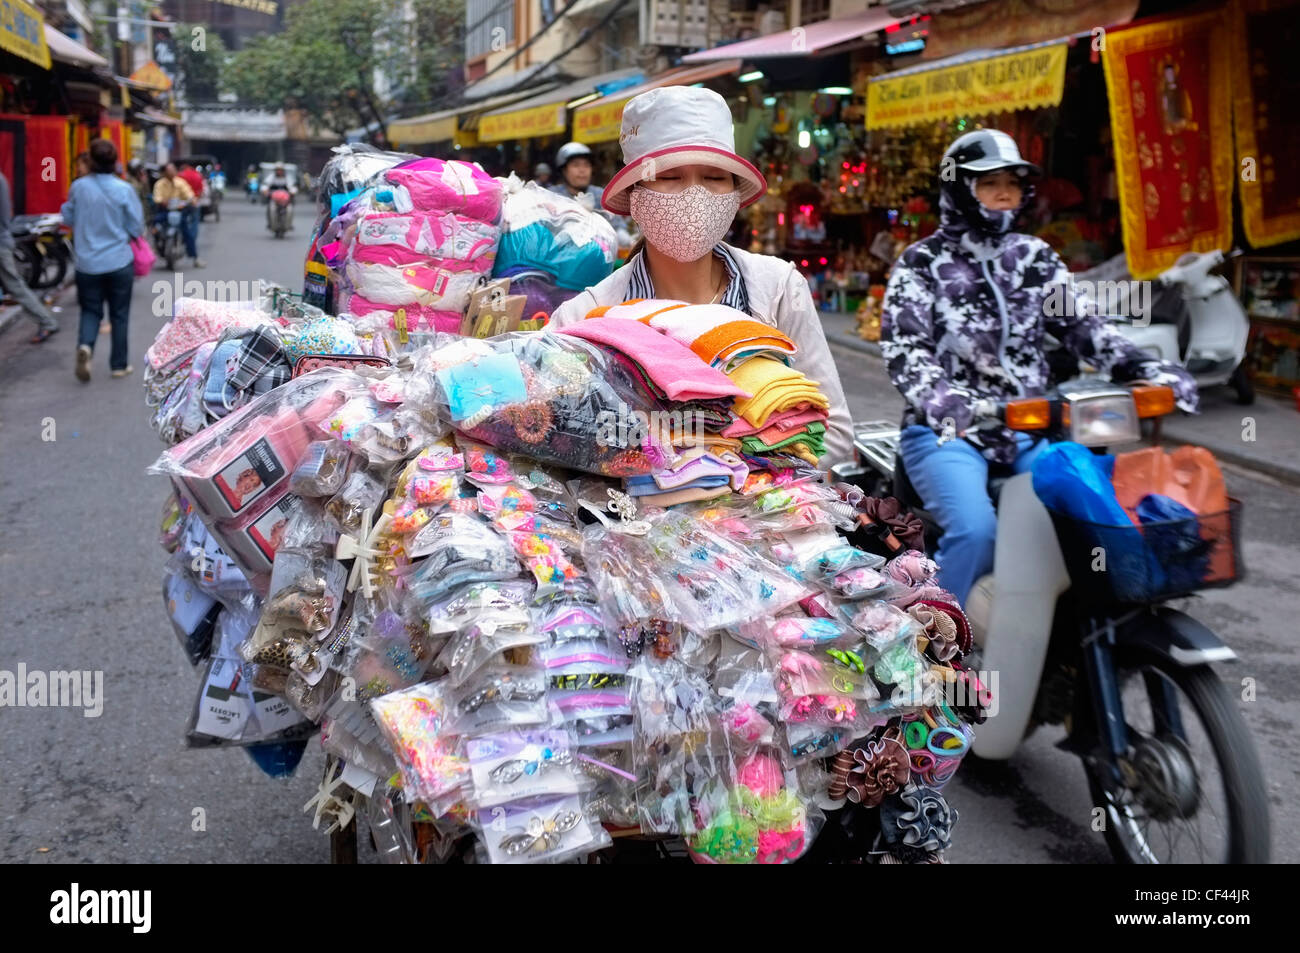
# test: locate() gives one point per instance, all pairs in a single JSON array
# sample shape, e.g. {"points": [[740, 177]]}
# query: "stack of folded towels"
{"points": [[783, 421], [699, 354]]}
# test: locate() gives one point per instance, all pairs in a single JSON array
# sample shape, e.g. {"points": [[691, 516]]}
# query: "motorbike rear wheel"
{"points": [[1193, 790]]}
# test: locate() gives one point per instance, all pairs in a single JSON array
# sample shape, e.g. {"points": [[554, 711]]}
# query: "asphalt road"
{"points": [[80, 588]]}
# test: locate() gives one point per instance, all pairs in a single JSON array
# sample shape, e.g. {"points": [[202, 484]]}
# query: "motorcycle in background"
{"points": [[1196, 320], [279, 211], [1164, 749], [168, 237], [254, 192], [42, 249]]}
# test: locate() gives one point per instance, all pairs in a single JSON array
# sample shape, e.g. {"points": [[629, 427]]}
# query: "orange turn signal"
{"points": [[1035, 413], [1153, 401]]}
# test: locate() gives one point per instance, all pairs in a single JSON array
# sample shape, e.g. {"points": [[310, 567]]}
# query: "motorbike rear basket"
{"points": [[1154, 561]]}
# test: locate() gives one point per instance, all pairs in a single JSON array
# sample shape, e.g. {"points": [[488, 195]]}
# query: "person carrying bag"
{"points": [[105, 216]]}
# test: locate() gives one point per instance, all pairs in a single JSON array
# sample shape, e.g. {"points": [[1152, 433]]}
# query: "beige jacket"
{"points": [[779, 296]]}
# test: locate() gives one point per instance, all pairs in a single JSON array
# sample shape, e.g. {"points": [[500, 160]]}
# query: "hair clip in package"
{"points": [[541, 830], [500, 698], [491, 634], [360, 494], [322, 470], [520, 764], [881, 623]]}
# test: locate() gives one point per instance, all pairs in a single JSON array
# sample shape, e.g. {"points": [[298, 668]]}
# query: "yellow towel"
{"points": [[774, 387]]}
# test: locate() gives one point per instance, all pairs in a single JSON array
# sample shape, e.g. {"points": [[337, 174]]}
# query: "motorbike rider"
{"points": [[171, 187], [278, 179], [968, 319], [574, 169]]}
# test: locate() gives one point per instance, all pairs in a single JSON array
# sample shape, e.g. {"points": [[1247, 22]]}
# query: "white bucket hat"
{"points": [[673, 126]]}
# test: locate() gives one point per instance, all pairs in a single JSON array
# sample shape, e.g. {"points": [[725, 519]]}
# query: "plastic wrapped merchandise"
{"points": [[550, 397], [414, 723], [237, 471], [547, 232]]}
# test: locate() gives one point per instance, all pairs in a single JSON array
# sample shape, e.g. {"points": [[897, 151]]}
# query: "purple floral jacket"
{"points": [[971, 314]]}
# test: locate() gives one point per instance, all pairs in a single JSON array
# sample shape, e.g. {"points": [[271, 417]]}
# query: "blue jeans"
{"points": [[93, 292], [952, 481]]}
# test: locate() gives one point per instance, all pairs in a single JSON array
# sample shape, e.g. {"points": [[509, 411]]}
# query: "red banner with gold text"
{"points": [[1170, 114], [1266, 110]]}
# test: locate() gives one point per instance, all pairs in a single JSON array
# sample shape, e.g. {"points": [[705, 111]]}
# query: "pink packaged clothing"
{"points": [[673, 367], [418, 317], [436, 185], [196, 322], [394, 238], [786, 421], [424, 284]]}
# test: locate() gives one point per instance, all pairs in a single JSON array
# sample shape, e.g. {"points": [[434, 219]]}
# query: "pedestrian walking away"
{"points": [[105, 216], [14, 284]]}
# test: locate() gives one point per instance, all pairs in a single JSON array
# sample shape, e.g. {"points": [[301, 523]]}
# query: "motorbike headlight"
{"points": [[1099, 420]]}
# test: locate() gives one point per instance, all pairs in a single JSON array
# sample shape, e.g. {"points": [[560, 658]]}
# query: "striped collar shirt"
{"points": [[640, 285]]}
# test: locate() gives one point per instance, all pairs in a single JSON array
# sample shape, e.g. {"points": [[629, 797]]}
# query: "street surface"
{"points": [[80, 588]]}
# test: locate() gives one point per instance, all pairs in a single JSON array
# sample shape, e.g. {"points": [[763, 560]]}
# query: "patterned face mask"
{"points": [[684, 225]]}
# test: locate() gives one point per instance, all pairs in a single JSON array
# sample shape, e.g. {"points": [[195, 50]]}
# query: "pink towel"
{"points": [[674, 368], [786, 420]]}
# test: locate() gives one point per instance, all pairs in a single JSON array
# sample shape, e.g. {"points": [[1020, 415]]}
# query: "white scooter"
{"points": [[1061, 641], [1196, 319]]}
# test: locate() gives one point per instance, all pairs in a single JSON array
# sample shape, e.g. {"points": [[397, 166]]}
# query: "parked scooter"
{"points": [[42, 249], [1165, 751], [1196, 320], [168, 237], [279, 211]]}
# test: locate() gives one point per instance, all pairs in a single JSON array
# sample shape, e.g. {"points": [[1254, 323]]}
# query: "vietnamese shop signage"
{"points": [[523, 123], [1027, 79], [598, 122], [22, 32], [269, 7]]}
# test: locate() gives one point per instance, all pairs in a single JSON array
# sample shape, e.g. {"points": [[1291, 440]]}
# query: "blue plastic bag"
{"points": [[1174, 535], [1071, 480]]}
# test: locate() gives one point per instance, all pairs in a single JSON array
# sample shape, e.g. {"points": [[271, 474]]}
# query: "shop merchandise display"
{"points": [[519, 626]]}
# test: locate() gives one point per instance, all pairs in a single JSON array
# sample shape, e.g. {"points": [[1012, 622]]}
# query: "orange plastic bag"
{"points": [[1189, 475]]}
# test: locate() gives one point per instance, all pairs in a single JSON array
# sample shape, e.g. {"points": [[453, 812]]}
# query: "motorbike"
{"points": [[42, 249], [279, 210], [168, 237], [1166, 754], [254, 193], [1196, 320]]}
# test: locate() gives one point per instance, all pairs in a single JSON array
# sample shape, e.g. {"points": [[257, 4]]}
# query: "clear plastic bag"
{"points": [[498, 698], [545, 830], [519, 764], [415, 722], [490, 634]]}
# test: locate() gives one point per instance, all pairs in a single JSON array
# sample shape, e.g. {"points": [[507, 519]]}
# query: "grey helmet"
{"points": [[570, 150], [541, 169]]}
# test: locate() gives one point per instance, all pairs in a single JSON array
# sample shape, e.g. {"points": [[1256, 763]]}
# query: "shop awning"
{"points": [[23, 32], [67, 50], [155, 117], [547, 114], [811, 40], [973, 83], [444, 125], [1001, 24], [599, 121]]}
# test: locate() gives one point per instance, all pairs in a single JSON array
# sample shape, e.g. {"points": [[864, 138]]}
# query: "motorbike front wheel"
{"points": [[1192, 790]]}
